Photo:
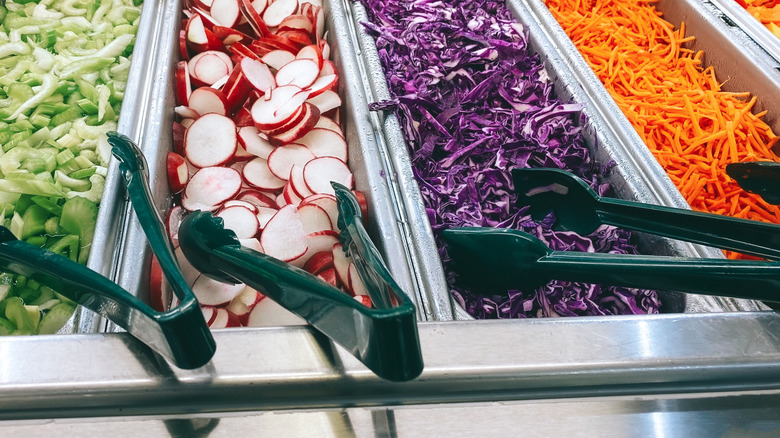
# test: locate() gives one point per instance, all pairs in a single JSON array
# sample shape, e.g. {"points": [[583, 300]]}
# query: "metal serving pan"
{"points": [[734, 15], [112, 214], [636, 176], [155, 138]]}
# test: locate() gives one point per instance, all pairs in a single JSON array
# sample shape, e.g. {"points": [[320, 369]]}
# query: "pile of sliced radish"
{"points": [[258, 143]]}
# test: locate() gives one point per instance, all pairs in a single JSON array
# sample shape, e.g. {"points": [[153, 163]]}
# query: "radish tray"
{"points": [[236, 168]]}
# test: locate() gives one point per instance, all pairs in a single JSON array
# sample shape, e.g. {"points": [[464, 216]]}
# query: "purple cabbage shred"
{"points": [[473, 103]]}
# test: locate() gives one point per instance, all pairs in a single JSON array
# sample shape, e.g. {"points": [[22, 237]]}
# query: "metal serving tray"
{"points": [[112, 214], [734, 15], [154, 136], [635, 177]]}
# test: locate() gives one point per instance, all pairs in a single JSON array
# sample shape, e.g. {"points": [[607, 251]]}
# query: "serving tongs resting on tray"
{"points": [[505, 259], [759, 177], [384, 337], [180, 334]]}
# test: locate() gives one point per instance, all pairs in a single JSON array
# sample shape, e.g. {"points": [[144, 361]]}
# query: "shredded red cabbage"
{"points": [[473, 103]]}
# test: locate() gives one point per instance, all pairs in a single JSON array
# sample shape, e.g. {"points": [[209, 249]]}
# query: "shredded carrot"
{"points": [[692, 126]]}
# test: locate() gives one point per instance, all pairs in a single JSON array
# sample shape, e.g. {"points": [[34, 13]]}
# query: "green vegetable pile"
{"points": [[64, 66]]}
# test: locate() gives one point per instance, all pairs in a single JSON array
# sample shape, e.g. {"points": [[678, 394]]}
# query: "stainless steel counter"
{"points": [[755, 415], [284, 369]]}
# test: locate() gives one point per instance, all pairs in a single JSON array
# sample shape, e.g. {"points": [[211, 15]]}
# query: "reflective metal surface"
{"points": [[610, 136], [755, 415], [289, 368], [154, 137], [113, 205]]}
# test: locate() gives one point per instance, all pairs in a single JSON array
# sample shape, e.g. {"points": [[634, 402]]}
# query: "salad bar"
{"points": [[370, 217]]}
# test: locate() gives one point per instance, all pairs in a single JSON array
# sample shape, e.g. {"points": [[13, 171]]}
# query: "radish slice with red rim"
{"points": [[319, 173], [210, 141], [210, 292], [210, 187], [283, 158], [283, 236], [301, 72], [257, 174], [240, 220]]}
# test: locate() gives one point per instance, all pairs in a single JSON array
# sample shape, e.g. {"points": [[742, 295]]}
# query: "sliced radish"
{"points": [[316, 242], [296, 37], [328, 123], [183, 87], [238, 166], [257, 174], [220, 82], [319, 262], [328, 68], [209, 67], [229, 35], [210, 292], [201, 39], [325, 143], [185, 112], [210, 187], [187, 271], [260, 5], [236, 89], [283, 236], [243, 303], [239, 203], [241, 154], [160, 292], [252, 244], [312, 52], [323, 84], [252, 16], [290, 196], [186, 123], [267, 313], [258, 75], [225, 12], [280, 201], [309, 118], [283, 158], [209, 314], [257, 198], [314, 219], [297, 183], [224, 319], [177, 172], [341, 262], [278, 11], [178, 137], [301, 72], [329, 276], [361, 199], [278, 107], [208, 20], [319, 173], [277, 59], [184, 51], [254, 142], [172, 223], [243, 117], [327, 203], [207, 100], [240, 220], [326, 101], [210, 141], [296, 22], [264, 214], [364, 300], [356, 284]]}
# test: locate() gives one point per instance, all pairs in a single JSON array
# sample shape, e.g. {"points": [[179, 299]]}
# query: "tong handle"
{"points": [[750, 237], [180, 335], [727, 278], [133, 168], [385, 340]]}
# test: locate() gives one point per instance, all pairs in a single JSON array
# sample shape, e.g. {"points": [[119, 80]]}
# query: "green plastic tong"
{"points": [[383, 338], [181, 334], [759, 177], [503, 258]]}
